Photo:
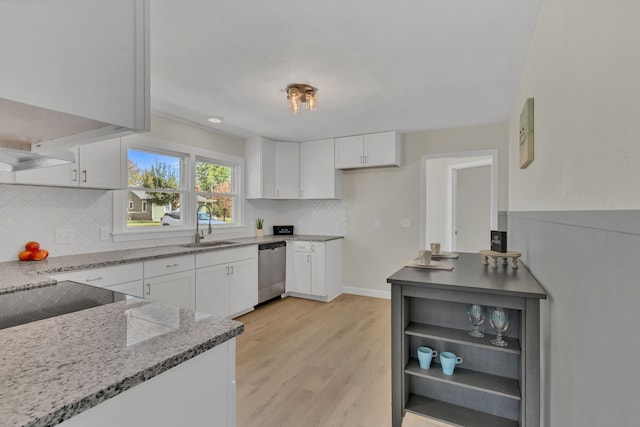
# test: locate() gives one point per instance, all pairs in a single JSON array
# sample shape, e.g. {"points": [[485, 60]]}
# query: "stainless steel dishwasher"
{"points": [[272, 258]]}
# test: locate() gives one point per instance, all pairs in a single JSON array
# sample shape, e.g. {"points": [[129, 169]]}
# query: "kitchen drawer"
{"points": [[224, 256], [162, 266], [105, 276], [130, 288], [301, 246]]}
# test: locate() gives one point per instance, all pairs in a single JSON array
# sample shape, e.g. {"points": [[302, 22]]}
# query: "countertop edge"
{"points": [[468, 289], [67, 411], [33, 274]]}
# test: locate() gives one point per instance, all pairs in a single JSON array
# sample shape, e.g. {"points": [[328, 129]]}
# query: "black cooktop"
{"points": [[65, 297]]}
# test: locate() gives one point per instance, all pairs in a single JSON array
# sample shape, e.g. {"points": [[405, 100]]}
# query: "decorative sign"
{"points": [[499, 241], [526, 134]]}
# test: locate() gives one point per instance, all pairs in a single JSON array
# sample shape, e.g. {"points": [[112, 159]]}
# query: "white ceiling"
{"points": [[405, 65]]}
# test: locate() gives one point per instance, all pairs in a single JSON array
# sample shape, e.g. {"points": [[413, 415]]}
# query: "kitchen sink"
{"points": [[207, 244]]}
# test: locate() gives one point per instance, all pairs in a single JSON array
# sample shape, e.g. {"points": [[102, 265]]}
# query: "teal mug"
{"points": [[449, 361], [425, 354]]}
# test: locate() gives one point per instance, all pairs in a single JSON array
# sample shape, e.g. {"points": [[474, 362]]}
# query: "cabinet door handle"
{"points": [[227, 271], [231, 270], [366, 160], [263, 192], [308, 258], [75, 175], [361, 160], [95, 279], [172, 265], [84, 175], [148, 289]]}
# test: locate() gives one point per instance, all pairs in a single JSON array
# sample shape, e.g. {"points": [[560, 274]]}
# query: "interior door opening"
{"points": [[459, 192]]}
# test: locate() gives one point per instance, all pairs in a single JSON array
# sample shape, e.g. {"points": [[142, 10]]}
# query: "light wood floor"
{"points": [[305, 363]]}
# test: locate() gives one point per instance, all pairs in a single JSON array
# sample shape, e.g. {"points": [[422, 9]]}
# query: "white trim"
{"points": [[495, 186], [189, 154], [374, 293], [174, 232]]}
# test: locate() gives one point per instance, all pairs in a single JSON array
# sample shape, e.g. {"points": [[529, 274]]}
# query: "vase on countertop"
{"points": [[260, 232]]}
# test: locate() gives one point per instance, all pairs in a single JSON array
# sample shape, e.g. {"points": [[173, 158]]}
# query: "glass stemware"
{"points": [[500, 322], [476, 316]]}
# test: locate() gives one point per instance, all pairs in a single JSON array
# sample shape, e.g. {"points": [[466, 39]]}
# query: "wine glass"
{"points": [[500, 322], [476, 316]]}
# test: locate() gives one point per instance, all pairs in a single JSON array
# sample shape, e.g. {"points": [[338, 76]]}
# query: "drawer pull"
{"points": [[94, 279], [172, 265]]}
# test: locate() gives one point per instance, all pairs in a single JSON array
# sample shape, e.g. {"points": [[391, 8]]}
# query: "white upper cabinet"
{"points": [[98, 165], [102, 165], [74, 70], [272, 169], [287, 170], [319, 178], [371, 150], [260, 168]]}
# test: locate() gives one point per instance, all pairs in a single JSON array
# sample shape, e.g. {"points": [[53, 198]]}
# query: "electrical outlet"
{"points": [[105, 233], [63, 236], [405, 222]]}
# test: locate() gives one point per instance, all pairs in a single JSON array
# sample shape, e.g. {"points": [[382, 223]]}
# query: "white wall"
{"points": [[584, 73], [33, 213], [391, 194]]}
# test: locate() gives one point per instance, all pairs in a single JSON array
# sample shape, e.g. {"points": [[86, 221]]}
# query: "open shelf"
{"points": [[460, 336], [457, 415], [494, 384]]}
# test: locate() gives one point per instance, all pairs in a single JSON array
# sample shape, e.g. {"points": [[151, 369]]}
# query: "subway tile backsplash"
{"points": [[34, 213]]}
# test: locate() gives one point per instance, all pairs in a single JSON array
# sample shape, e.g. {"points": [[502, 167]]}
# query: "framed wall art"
{"points": [[526, 134]]}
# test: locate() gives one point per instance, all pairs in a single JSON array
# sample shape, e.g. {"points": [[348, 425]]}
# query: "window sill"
{"points": [[164, 233]]}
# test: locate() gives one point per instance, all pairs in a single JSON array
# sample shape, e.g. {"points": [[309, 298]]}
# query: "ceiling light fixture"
{"points": [[300, 92], [214, 119]]}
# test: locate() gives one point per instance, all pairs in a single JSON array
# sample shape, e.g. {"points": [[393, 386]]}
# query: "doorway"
{"points": [[459, 199], [471, 207]]}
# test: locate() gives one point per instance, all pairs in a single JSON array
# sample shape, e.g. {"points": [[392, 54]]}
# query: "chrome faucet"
{"points": [[199, 234]]}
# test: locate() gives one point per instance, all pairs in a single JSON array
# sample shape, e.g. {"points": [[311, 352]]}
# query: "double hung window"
{"points": [[215, 187], [155, 183]]}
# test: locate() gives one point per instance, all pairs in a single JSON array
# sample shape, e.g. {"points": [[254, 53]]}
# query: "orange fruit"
{"points": [[40, 254], [25, 255], [32, 246]]}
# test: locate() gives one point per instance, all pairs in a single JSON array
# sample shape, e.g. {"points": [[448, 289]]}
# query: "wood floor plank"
{"points": [[307, 363]]}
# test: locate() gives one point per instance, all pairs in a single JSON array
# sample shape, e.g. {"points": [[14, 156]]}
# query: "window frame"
{"points": [[234, 195], [188, 201]]}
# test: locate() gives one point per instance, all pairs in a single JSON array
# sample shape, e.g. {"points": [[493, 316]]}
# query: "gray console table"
{"points": [[494, 386]]}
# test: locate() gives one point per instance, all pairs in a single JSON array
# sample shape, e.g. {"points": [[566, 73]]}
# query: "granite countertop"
{"points": [[55, 368], [18, 275]]}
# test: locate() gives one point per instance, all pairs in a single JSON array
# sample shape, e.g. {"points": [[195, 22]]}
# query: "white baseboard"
{"points": [[375, 293]]}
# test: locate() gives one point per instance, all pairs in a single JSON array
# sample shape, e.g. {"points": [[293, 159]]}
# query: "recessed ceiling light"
{"points": [[214, 119]]}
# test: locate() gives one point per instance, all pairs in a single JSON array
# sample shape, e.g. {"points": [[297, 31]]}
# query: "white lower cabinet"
{"points": [[177, 289], [125, 278], [301, 271], [227, 281], [316, 269], [171, 281], [212, 289], [198, 392]]}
